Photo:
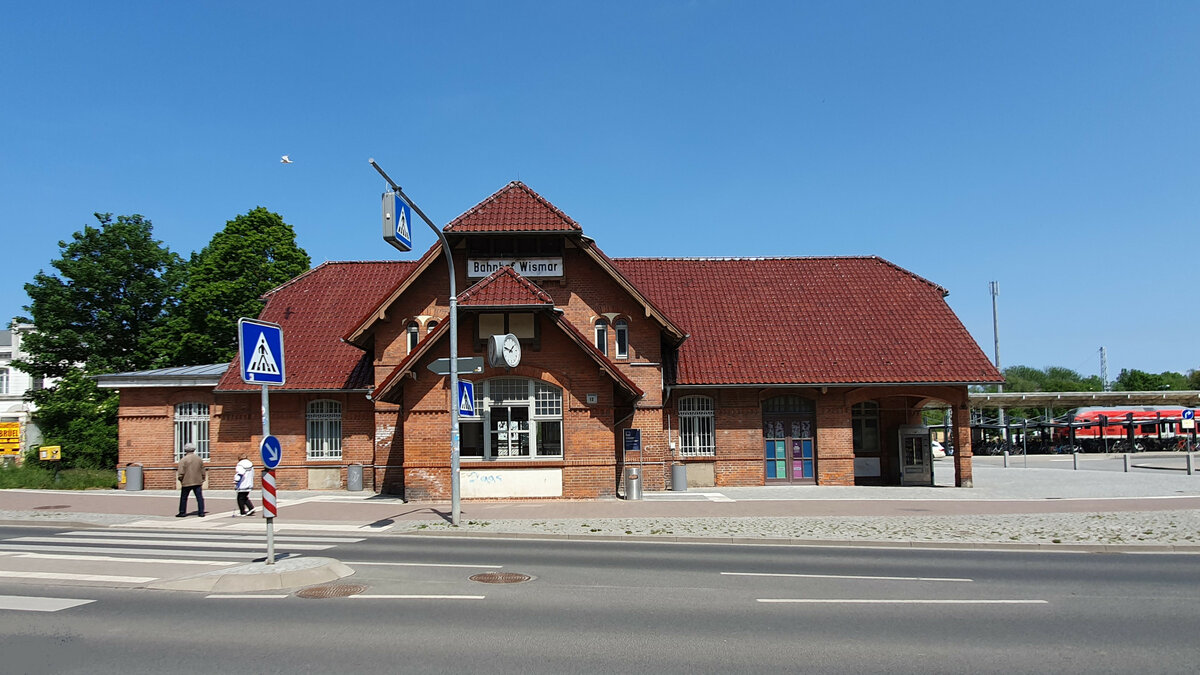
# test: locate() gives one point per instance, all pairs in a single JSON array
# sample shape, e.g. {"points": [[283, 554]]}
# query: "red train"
{"points": [[1126, 429]]}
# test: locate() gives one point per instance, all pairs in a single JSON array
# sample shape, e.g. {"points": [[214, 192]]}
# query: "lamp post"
{"points": [[455, 438]]}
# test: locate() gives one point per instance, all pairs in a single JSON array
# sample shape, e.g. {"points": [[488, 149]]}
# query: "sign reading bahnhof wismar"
{"points": [[527, 267]]}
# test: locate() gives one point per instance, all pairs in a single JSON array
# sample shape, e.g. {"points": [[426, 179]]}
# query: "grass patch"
{"points": [[38, 478]]}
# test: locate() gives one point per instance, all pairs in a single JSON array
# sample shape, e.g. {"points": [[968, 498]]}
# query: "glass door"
{"points": [[789, 449]]}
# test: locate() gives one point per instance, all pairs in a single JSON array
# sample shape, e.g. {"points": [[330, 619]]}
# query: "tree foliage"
{"points": [[253, 254], [115, 283], [1138, 380]]}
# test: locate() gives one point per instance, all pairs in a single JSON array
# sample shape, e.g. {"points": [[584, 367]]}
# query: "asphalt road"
{"points": [[633, 607]]}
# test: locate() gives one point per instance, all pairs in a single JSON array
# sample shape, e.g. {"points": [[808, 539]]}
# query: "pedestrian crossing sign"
{"points": [[260, 346], [466, 398]]}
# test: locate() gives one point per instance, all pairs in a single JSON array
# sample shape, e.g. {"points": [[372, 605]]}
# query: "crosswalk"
{"points": [[125, 558]]}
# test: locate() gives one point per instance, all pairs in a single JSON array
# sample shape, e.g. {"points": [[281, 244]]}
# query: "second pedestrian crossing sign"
{"points": [[260, 347], [466, 398]]}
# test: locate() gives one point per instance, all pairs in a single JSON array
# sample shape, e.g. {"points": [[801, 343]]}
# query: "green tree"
{"points": [[114, 285], [1138, 380], [1193, 380], [253, 254]]}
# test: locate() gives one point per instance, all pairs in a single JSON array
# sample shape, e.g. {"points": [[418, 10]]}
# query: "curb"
{"points": [[259, 576], [1027, 547]]}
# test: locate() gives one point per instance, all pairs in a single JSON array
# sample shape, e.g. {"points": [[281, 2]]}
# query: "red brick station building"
{"points": [[748, 371]]}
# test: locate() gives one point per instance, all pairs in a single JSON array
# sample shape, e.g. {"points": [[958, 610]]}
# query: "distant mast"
{"points": [[1104, 369]]}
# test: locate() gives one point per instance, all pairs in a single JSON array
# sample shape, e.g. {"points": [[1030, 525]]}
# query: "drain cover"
{"points": [[500, 578], [339, 591], [52, 506]]}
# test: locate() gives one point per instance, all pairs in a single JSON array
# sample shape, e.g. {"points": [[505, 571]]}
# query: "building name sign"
{"points": [[526, 267]]}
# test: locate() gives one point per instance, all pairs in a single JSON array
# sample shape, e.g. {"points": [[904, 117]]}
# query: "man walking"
{"points": [[191, 477]]}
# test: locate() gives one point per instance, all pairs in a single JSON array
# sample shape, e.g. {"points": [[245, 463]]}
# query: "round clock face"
{"points": [[512, 350]]}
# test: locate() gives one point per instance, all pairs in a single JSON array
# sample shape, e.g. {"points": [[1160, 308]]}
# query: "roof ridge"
{"points": [[751, 258], [508, 272], [310, 271], [516, 184]]}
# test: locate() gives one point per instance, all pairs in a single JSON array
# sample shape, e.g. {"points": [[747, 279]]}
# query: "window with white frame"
{"points": [[323, 439], [519, 418], [602, 335], [3, 380], [191, 426], [696, 426], [430, 326], [414, 334], [621, 327]]}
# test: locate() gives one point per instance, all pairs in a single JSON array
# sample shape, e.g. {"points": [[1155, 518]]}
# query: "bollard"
{"points": [[1127, 462], [1189, 464], [1006, 459], [1075, 460]]}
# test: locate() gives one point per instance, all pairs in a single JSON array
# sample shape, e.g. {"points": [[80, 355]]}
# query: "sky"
{"points": [[1052, 147]]}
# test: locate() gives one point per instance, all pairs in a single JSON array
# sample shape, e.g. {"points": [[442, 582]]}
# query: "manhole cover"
{"points": [[339, 591], [500, 578], [51, 506]]}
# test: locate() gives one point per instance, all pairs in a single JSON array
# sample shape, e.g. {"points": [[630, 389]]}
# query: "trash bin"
{"points": [[133, 477], [354, 478], [678, 478], [633, 482]]}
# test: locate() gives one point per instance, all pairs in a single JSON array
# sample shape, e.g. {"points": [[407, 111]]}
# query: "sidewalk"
{"points": [[1014, 506]]}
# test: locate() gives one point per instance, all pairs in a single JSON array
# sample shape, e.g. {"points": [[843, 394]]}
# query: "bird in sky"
{"points": [[285, 160]]}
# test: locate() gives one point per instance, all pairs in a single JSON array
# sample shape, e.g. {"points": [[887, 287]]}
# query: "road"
{"points": [[616, 607]]}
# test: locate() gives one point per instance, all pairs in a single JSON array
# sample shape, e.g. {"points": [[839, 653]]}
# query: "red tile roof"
{"points": [[514, 208], [809, 321], [315, 309], [504, 288]]}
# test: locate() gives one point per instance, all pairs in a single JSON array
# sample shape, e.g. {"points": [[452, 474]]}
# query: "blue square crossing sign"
{"points": [[260, 346]]}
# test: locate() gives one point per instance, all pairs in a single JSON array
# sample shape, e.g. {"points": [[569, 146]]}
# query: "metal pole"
{"points": [[455, 437], [994, 286], [266, 431]]}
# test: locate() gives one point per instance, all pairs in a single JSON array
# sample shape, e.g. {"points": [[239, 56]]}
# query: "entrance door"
{"points": [[789, 440]]}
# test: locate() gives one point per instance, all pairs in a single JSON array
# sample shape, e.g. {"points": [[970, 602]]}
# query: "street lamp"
{"points": [[454, 426]]}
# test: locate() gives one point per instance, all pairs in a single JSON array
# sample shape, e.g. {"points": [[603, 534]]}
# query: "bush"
{"points": [[40, 478]]}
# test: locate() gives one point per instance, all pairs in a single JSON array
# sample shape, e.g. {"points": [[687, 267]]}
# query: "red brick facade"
{"points": [[396, 420]]}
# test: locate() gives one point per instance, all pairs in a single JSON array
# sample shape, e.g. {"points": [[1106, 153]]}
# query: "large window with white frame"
{"points": [[519, 418], [323, 439], [697, 429], [191, 426], [3, 380]]}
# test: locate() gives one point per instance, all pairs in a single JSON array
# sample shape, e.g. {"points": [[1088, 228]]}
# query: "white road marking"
{"points": [[245, 596], [113, 558], [67, 576], [109, 535], [406, 564], [146, 551], [170, 542], [840, 576], [417, 597], [864, 601], [23, 603]]}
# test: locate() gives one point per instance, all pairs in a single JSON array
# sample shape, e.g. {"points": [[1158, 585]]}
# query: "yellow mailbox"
{"points": [[50, 453]]}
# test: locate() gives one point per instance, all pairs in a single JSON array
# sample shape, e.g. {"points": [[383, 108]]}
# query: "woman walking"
{"points": [[243, 482]]}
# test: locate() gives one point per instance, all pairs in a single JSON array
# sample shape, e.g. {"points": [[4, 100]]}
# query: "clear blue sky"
{"points": [[1050, 146]]}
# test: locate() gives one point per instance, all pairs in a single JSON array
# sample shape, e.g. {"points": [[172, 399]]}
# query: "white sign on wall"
{"points": [[526, 267]]}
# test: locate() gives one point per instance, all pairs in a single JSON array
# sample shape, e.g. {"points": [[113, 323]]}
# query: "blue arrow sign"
{"points": [[1189, 414], [260, 346], [271, 451]]}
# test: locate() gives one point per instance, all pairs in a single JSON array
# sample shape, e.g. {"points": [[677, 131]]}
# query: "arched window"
{"points": [[430, 326], [621, 326], [602, 335], [697, 433], [519, 418], [414, 334], [191, 426], [323, 439]]}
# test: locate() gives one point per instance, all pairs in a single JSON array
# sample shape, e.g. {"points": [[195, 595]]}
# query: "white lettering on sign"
{"points": [[526, 267]]}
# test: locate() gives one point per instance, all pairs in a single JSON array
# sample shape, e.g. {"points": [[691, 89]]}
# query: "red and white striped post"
{"points": [[269, 511]]}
